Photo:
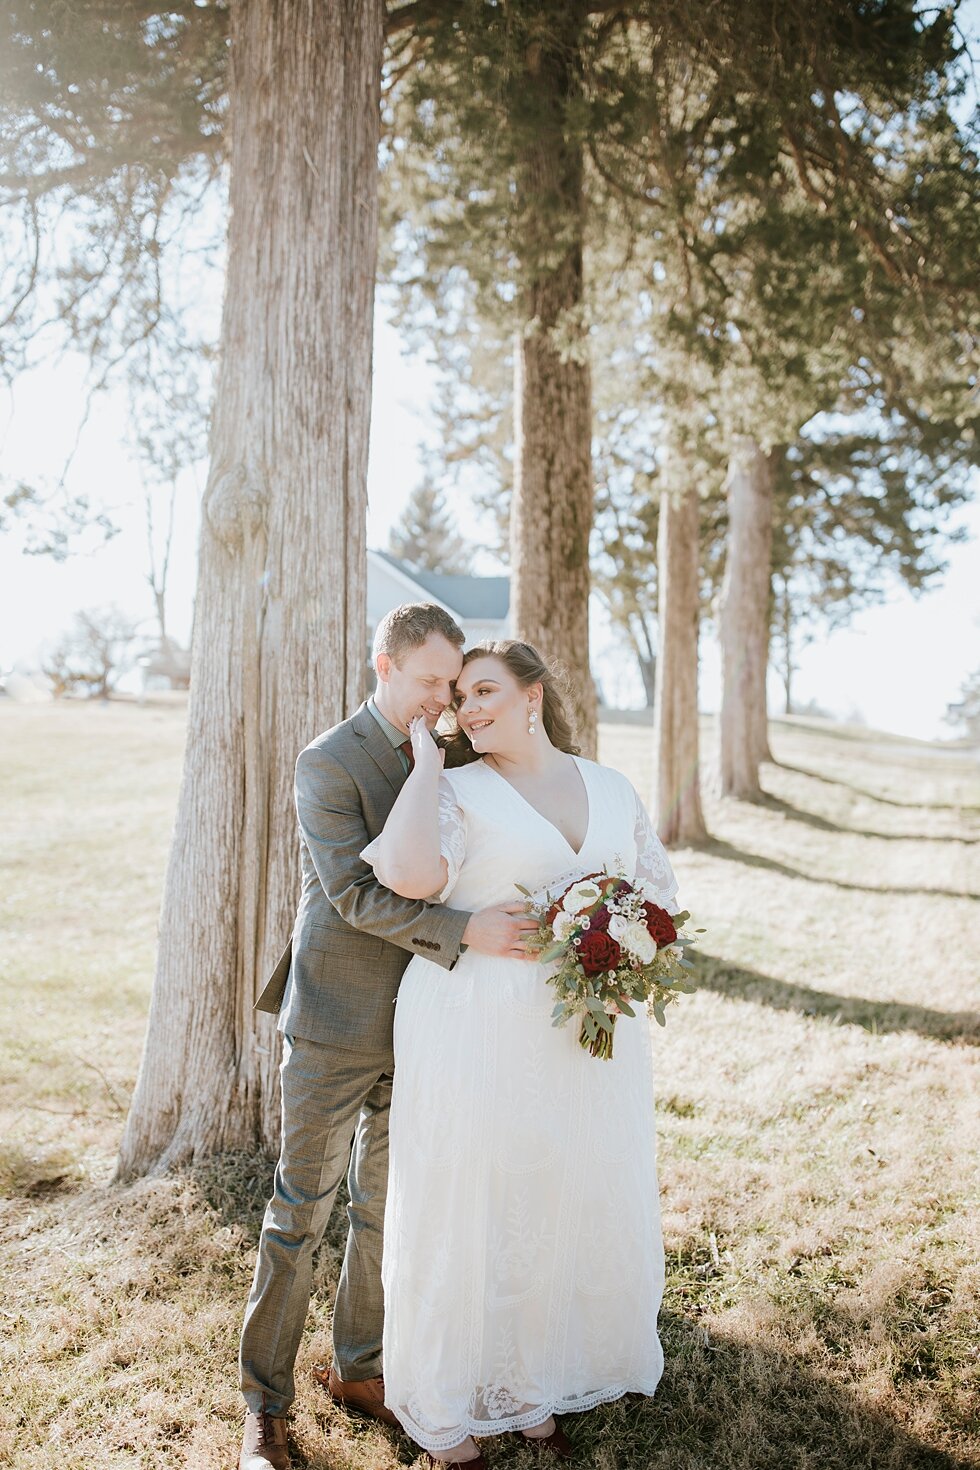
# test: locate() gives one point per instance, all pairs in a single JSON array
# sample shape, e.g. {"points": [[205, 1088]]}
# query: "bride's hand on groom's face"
{"points": [[425, 752]]}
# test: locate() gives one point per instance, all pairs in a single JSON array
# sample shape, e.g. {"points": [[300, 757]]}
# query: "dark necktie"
{"points": [[406, 749]]}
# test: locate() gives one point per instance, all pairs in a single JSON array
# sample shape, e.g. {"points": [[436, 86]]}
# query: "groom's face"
{"points": [[422, 682]]}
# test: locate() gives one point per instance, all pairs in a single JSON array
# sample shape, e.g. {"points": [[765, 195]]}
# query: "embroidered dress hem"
{"points": [[486, 1428]]}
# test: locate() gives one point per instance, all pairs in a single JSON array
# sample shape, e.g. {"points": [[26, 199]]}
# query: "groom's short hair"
{"points": [[408, 627]]}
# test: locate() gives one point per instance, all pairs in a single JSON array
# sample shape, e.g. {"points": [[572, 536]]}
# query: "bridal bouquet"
{"points": [[610, 946]]}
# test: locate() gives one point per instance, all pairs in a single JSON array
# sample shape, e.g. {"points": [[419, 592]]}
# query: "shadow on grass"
{"points": [[718, 847], [236, 1186], [908, 806], [722, 1404], [726, 1402], [877, 1016], [730, 1404], [824, 824]]}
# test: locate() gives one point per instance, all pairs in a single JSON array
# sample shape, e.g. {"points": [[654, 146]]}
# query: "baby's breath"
{"points": [[598, 1000]]}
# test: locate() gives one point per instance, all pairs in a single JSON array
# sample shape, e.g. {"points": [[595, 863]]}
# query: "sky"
{"points": [[896, 667]]}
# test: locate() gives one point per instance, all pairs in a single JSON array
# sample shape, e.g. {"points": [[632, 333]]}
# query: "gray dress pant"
{"points": [[335, 1108]]}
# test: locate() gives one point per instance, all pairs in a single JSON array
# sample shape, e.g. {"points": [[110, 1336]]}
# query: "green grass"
{"points": [[818, 1128]]}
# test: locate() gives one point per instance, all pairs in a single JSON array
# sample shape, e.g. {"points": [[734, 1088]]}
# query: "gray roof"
{"points": [[474, 598]]}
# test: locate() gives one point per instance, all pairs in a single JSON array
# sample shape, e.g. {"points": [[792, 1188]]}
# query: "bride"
{"points": [[523, 1258]]}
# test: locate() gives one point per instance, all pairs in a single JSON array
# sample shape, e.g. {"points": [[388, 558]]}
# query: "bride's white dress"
{"points": [[523, 1257]]}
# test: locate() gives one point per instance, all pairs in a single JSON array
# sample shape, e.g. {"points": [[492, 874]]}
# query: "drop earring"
{"points": [[532, 720]]}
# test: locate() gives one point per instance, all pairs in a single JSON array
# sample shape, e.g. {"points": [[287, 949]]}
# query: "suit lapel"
{"points": [[378, 746]]}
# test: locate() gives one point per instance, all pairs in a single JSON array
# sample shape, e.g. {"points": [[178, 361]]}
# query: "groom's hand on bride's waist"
{"points": [[501, 931]]}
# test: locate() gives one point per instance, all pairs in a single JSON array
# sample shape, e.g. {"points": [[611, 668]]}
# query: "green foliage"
{"points": [[112, 204], [964, 713], [91, 657], [426, 534], [111, 136], [54, 522], [779, 231]]}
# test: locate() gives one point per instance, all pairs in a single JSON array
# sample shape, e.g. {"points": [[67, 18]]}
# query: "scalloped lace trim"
{"points": [[483, 1428]]}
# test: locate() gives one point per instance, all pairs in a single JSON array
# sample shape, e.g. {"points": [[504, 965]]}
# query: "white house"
{"points": [[479, 604]]}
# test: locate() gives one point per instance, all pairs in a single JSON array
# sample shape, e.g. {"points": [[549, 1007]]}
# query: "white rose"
{"points": [[639, 942], [618, 927], [563, 925], [581, 896]]}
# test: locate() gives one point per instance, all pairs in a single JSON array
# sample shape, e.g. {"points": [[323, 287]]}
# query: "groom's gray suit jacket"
{"points": [[337, 979]]}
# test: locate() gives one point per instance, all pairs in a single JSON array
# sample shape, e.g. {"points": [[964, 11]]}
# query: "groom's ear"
{"points": [[382, 665]]}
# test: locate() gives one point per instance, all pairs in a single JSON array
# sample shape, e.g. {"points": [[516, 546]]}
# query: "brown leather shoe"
{"points": [[360, 1396], [264, 1443]]}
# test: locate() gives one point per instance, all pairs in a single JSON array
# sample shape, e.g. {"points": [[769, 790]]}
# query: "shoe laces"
{"points": [[266, 1429]]}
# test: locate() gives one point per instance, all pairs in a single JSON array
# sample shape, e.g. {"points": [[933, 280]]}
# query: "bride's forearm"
{"points": [[410, 862]]}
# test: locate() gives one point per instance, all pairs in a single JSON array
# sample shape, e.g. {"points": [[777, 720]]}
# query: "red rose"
{"points": [[599, 921], [660, 925], [598, 952]]}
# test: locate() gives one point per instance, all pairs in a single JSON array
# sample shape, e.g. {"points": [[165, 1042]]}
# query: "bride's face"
{"points": [[492, 707]]}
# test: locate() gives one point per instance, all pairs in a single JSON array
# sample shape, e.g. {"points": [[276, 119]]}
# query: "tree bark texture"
{"points": [[279, 634], [679, 817], [552, 506], [744, 619]]}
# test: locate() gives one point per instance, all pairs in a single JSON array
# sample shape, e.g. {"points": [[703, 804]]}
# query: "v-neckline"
{"points": [[547, 820]]}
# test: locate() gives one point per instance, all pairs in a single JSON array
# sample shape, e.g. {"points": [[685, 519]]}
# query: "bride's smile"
{"points": [[495, 711]]}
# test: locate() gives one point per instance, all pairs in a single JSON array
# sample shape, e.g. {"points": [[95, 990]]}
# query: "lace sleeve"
{"points": [[452, 840], [653, 868]]}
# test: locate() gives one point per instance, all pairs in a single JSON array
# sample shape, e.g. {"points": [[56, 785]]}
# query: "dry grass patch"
{"points": [[818, 1144]]}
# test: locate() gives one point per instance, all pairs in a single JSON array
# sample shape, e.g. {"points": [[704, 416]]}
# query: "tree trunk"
{"points": [[678, 807], [552, 505], [745, 620], [787, 648], [160, 604], [157, 577], [280, 612], [644, 648]]}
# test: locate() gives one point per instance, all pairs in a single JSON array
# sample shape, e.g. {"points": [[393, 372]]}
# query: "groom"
{"points": [[335, 990]]}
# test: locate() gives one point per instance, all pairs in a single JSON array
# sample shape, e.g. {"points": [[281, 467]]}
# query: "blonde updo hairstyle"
{"points": [[527, 666]]}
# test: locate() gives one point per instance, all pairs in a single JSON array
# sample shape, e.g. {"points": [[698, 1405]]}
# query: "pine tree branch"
{"points": [[418, 14]]}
